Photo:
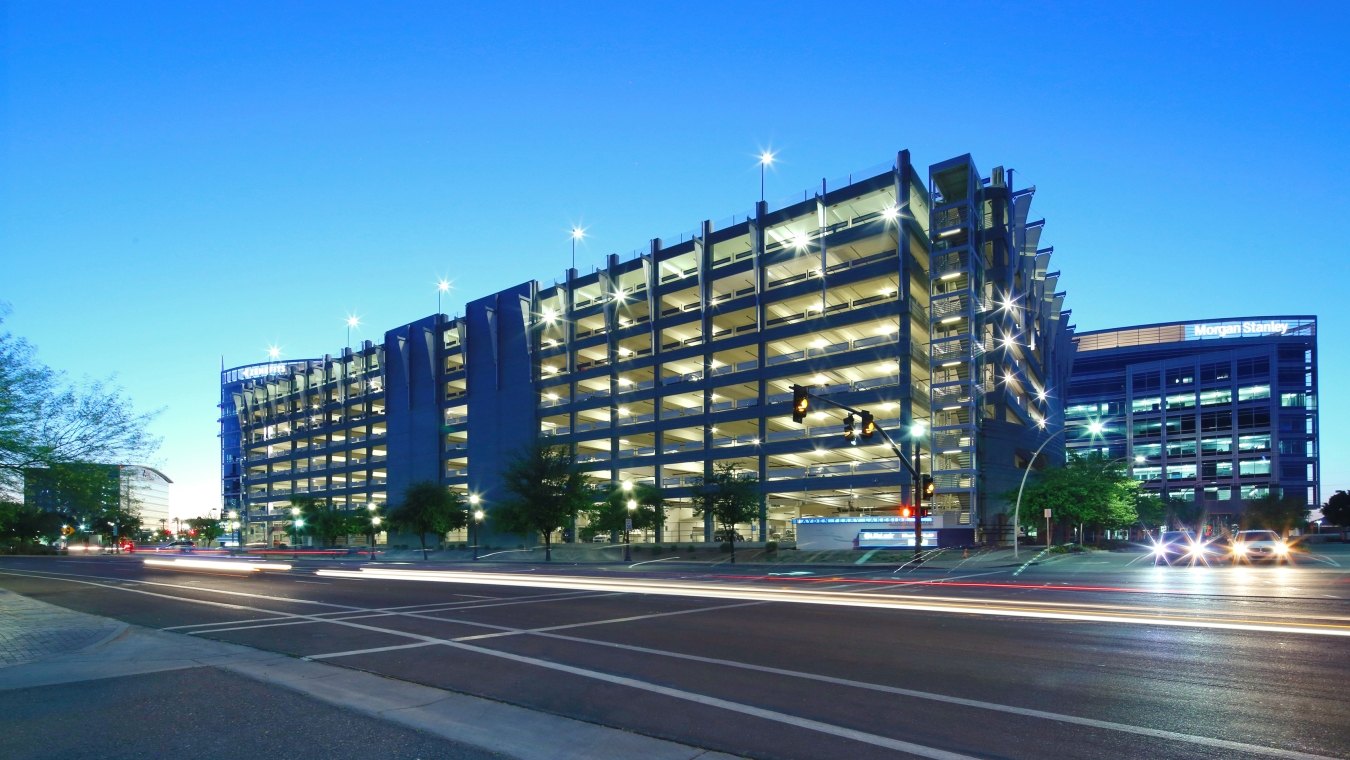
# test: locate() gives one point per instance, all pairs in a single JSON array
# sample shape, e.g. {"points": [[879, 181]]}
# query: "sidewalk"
{"points": [[70, 681]]}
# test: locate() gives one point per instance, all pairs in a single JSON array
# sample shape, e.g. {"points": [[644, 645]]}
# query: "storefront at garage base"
{"points": [[880, 532]]}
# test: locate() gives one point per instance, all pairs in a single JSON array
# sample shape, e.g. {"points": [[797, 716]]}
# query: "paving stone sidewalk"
{"points": [[31, 631]]}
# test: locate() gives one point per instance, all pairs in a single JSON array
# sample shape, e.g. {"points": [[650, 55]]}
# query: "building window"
{"points": [[1216, 373], [1216, 470], [1180, 376], [1253, 393], [1216, 397], [1248, 419], [1216, 421], [1216, 445], [1254, 367], [1254, 442], [1147, 381], [1151, 404], [1181, 401]]}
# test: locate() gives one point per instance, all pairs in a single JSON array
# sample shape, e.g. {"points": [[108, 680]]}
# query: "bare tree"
{"points": [[48, 420]]}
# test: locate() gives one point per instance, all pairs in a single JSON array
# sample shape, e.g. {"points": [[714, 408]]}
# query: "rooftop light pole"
{"points": [[765, 159], [442, 285], [352, 321], [1095, 428], [577, 234]]}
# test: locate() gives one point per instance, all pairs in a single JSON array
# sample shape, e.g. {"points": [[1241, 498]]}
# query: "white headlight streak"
{"points": [[218, 564], [1101, 613]]}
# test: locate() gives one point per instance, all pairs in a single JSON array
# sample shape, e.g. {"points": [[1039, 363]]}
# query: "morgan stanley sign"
{"points": [[1236, 329]]}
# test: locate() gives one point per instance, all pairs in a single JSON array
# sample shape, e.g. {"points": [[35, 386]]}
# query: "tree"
{"points": [[26, 524], [324, 521], [1275, 511], [47, 419], [205, 529], [545, 491], [1087, 491], [609, 510], [731, 496], [1337, 511], [429, 508]]}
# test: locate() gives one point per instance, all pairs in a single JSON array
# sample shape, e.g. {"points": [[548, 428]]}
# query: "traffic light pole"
{"points": [[911, 466]]}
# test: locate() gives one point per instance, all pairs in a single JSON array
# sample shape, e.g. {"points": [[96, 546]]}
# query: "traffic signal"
{"points": [[869, 427], [848, 428], [928, 488], [925, 512], [801, 403], [905, 512]]}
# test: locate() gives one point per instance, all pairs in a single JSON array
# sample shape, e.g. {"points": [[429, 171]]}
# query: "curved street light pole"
{"points": [[1017, 509], [1095, 427]]}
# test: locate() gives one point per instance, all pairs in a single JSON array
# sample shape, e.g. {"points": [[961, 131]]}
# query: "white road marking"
{"points": [[630, 619]]}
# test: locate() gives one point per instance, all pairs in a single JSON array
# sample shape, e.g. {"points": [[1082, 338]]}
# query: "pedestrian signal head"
{"points": [[848, 429]]}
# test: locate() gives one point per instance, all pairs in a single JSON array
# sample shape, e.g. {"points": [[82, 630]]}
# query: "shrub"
{"points": [[725, 547], [771, 546]]}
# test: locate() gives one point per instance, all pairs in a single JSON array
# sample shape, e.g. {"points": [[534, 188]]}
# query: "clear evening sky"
{"points": [[183, 182]]}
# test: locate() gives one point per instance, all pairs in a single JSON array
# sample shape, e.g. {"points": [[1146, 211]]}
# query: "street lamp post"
{"points": [[917, 430], [1095, 427], [628, 528], [477, 524], [374, 528]]}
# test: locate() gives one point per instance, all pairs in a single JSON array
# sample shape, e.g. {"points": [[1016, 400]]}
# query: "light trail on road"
{"points": [[1099, 613]]}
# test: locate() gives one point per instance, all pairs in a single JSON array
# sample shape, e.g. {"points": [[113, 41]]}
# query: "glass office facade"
{"points": [[1218, 412], [920, 298]]}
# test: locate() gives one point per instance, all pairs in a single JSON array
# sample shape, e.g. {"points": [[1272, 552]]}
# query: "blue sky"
{"points": [[182, 182]]}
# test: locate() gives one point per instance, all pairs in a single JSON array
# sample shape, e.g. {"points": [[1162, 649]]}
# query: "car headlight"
{"points": [[1281, 548], [1160, 549], [1240, 549], [1196, 550]]}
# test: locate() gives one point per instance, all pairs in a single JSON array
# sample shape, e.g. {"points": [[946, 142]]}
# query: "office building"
{"points": [[1220, 411], [86, 491], [923, 299]]}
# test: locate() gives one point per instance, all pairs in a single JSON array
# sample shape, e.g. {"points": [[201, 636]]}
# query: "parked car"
{"points": [[1259, 546], [725, 536]]}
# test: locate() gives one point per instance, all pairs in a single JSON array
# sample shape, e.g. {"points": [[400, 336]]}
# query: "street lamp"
{"points": [[916, 431], [1095, 427], [628, 527], [477, 524], [374, 528], [234, 527], [577, 234], [765, 159]]}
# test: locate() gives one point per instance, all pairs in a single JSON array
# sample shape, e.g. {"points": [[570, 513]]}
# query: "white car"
{"points": [[1258, 546]]}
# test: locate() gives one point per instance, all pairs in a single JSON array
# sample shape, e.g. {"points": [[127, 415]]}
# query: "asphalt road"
{"points": [[1073, 659]]}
